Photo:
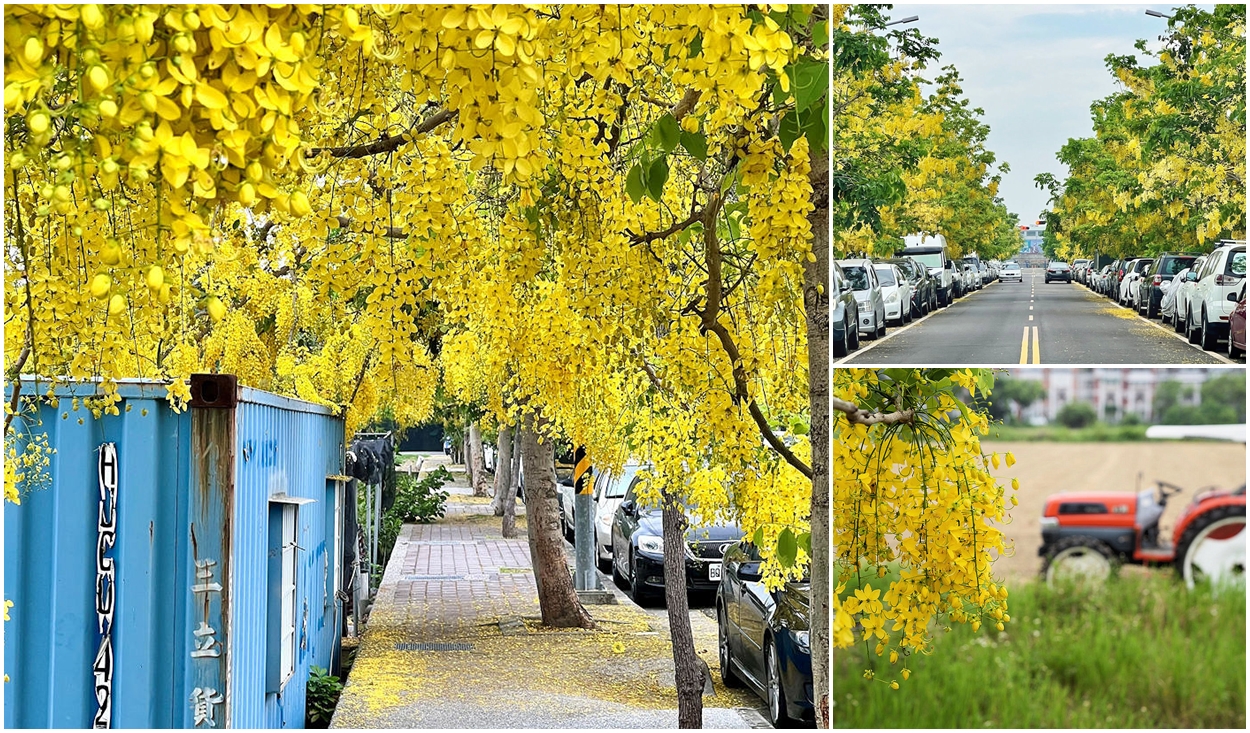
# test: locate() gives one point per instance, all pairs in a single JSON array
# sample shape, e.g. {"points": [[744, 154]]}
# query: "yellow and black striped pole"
{"points": [[584, 576], [581, 472]]}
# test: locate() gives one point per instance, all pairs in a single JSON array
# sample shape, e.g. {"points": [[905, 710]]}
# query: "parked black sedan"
{"points": [[638, 551], [765, 637]]}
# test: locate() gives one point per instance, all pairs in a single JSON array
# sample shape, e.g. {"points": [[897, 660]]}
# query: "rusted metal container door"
{"points": [[206, 631]]}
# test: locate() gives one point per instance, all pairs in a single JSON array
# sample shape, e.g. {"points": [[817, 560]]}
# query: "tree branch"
{"points": [[857, 416], [386, 144], [710, 316]]}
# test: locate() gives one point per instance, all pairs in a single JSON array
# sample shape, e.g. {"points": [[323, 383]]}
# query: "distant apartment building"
{"points": [[1114, 393]]}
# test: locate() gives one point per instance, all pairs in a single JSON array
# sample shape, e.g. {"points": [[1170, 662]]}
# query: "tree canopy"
{"points": [[904, 162], [598, 212], [1166, 167]]}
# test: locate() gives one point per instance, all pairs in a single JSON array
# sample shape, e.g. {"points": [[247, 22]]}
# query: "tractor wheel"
{"points": [[1213, 547], [1079, 559]]}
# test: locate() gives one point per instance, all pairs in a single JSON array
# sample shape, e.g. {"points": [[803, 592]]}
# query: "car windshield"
{"points": [[1237, 264], [1173, 265], [931, 259], [856, 276], [885, 275], [1011, 266], [618, 484]]}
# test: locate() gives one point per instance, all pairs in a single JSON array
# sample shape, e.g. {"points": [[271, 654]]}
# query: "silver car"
{"points": [[1182, 287], [896, 291], [862, 277]]}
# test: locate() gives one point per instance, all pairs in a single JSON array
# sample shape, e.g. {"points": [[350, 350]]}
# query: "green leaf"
{"points": [[633, 183], [657, 176], [757, 539], [666, 133], [809, 81], [815, 124], [805, 543], [696, 45], [695, 143], [787, 548], [789, 130], [820, 34]]}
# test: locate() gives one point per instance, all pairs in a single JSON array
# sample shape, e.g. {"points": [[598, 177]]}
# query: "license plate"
{"points": [[713, 571]]}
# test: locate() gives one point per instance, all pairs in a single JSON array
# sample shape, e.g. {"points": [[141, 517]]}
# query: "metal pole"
{"points": [[584, 575]]}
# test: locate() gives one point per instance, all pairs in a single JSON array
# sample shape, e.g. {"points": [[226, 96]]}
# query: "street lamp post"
{"points": [[1157, 14], [909, 19]]}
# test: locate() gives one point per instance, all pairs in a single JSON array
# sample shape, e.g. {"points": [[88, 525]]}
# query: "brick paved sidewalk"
{"points": [[446, 577], [454, 641]]}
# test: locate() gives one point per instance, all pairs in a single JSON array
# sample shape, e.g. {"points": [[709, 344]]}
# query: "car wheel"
{"points": [[1233, 351], [601, 562], [842, 346], [1191, 329], [637, 588], [853, 330], [1178, 323], [1152, 310], [1208, 339], [727, 674], [617, 578], [881, 327], [776, 695]]}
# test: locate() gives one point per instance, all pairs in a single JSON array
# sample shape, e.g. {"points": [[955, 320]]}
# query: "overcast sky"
{"points": [[1035, 70]]}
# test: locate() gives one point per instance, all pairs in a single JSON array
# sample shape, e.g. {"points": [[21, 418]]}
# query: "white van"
{"points": [[930, 251]]}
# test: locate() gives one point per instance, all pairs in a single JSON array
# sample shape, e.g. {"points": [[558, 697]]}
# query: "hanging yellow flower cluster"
{"points": [[913, 498]]}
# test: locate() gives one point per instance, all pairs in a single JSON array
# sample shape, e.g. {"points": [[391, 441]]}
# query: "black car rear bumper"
{"points": [[651, 572]]}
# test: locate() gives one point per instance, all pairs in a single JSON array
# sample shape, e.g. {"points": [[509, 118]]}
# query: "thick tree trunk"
{"points": [[689, 668], [816, 305], [477, 461], [503, 469], [556, 596]]}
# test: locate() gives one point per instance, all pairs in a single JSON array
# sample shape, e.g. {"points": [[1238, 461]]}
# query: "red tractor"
{"points": [[1087, 534]]}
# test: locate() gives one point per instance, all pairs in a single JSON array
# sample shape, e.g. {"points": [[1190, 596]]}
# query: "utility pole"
{"points": [[584, 575]]}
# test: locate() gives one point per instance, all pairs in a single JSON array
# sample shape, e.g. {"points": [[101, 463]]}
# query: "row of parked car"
{"points": [[869, 296], [1202, 296], [764, 635]]}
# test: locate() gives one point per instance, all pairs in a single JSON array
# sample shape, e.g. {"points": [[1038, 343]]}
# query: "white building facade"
{"points": [[1114, 393]]}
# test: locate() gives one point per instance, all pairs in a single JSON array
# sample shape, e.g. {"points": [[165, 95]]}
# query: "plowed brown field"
{"points": [[1049, 468]]}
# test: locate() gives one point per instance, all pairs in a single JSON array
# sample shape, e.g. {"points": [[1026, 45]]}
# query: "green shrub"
{"points": [[415, 501], [1077, 415], [321, 698]]}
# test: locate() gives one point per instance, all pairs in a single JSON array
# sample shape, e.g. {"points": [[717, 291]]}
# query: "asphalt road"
{"points": [[1031, 322]]}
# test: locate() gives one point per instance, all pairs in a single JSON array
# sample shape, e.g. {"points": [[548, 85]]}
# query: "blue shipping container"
{"points": [[179, 570]]}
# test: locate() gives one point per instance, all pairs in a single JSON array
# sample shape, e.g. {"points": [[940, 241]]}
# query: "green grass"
{"points": [[1096, 433], [1139, 652]]}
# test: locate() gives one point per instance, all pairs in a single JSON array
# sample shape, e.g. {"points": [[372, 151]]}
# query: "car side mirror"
{"points": [[1191, 277], [750, 572], [1234, 297], [628, 507]]}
